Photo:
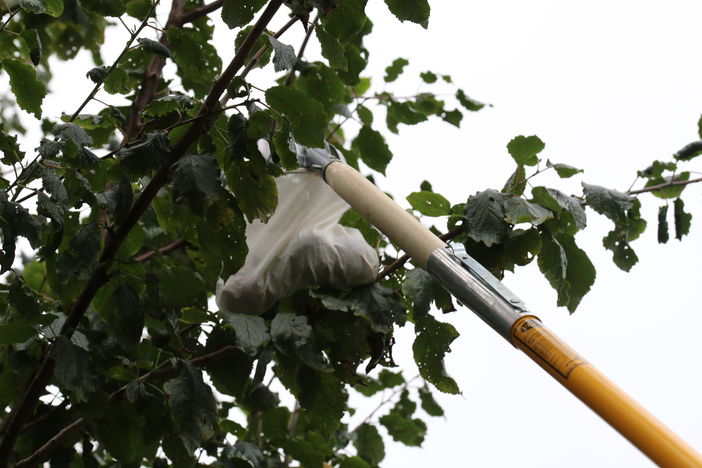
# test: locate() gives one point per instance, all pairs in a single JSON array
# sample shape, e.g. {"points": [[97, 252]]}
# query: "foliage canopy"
{"points": [[110, 351]]}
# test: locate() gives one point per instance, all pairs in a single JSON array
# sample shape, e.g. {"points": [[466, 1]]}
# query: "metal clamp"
{"points": [[476, 288]]}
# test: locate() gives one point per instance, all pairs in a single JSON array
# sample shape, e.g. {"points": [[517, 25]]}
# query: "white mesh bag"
{"points": [[302, 245]]}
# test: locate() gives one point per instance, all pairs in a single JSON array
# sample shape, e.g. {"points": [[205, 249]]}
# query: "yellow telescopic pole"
{"points": [[504, 312]]}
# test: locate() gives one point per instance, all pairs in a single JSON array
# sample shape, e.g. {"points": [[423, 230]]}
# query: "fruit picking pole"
{"points": [[480, 291]]}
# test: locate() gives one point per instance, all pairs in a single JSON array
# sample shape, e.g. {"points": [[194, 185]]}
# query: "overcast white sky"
{"points": [[609, 86]]}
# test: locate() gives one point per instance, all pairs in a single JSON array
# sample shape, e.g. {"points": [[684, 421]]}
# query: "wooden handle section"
{"points": [[401, 227]]}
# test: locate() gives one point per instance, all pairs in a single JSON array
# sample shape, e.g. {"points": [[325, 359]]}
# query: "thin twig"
{"points": [[387, 400], [9, 18], [671, 183], [166, 249], [301, 52], [400, 262], [197, 13]]}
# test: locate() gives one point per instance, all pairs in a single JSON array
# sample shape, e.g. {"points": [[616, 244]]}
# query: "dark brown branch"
{"points": [[166, 249], [153, 73], [671, 183], [198, 13], [20, 412], [114, 64], [400, 262], [43, 453], [50, 412]]}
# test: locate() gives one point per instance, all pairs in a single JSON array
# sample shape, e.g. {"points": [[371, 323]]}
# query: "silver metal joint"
{"points": [[317, 159], [476, 288]]}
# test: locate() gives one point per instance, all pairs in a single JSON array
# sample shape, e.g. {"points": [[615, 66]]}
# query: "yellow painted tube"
{"points": [[526, 332], [628, 417]]}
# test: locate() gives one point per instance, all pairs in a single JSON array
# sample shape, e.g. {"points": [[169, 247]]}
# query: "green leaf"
{"points": [[353, 462], [332, 49], [73, 369], [72, 132], [564, 171], [251, 332], [416, 11], [10, 149], [154, 47], [171, 103], [682, 219], [255, 190], [485, 216], [429, 203], [197, 59], [106, 7], [409, 431], [284, 57], [429, 77], [307, 117], [97, 74], [470, 104], [196, 181], [28, 91], [516, 184], [324, 85], [378, 305], [152, 152], [32, 42], [193, 406], [395, 69], [430, 346], [353, 218], [419, 287], [369, 444], [127, 316], [610, 203], [15, 331], [50, 7], [623, 255], [453, 117], [524, 149], [222, 237], [289, 331], [346, 21], [672, 191], [237, 13], [402, 112], [557, 201], [429, 404], [663, 235], [365, 115], [117, 200], [518, 210], [117, 82], [323, 397], [373, 149]]}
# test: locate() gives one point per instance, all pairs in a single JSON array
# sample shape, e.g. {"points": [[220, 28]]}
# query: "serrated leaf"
{"points": [[369, 444], [15, 331], [518, 210], [453, 117], [419, 287], [150, 153], [324, 85], [373, 149], [332, 49], [32, 42], [403, 112], [117, 82], [73, 368], [564, 171], [672, 191], [470, 104], [663, 235], [197, 59], [429, 404], [485, 217], [106, 7], [395, 69], [284, 57], [524, 149], [154, 47], [428, 77], [117, 200], [255, 190], [10, 149], [237, 13], [346, 21], [196, 181], [171, 103], [682, 219], [97, 74], [50, 7], [289, 331], [307, 116], [378, 305], [430, 346], [409, 431], [72, 132], [556, 201], [416, 11], [193, 406], [28, 91], [323, 397], [251, 332], [127, 317], [429, 203]]}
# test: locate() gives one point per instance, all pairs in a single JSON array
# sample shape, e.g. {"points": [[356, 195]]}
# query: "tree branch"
{"points": [[671, 183], [117, 60], [198, 13], [400, 262], [43, 453], [166, 249], [20, 412]]}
